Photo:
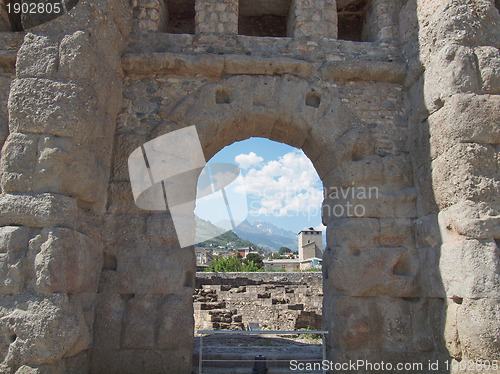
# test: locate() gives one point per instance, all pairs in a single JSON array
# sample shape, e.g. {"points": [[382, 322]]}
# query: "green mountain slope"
{"points": [[226, 239]]}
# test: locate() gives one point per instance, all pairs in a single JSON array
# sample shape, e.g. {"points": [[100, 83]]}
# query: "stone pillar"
{"points": [[455, 141], [381, 22], [313, 18], [150, 15], [214, 16], [54, 174]]}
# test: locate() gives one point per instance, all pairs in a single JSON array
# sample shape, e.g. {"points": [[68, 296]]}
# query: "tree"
{"points": [[255, 259], [252, 267], [226, 264], [275, 256], [284, 250]]}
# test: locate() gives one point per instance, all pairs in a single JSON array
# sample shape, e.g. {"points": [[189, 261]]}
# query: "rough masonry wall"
{"points": [[352, 125], [62, 109], [455, 72], [276, 301]]}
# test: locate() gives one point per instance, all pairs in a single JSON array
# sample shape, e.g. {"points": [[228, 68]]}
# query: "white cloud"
{"points": [[246, 161], [284, 187]]}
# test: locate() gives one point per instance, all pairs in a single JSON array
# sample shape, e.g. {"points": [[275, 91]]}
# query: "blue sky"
{"points": [[280, 182]]}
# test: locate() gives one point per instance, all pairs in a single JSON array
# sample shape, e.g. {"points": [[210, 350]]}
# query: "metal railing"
{"points": [[257, 332]]}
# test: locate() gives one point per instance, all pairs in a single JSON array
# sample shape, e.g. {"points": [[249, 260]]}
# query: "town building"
{"points": [[310, 254]]}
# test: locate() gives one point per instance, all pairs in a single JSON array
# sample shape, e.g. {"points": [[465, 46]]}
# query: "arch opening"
{"points": [[281, 236]]}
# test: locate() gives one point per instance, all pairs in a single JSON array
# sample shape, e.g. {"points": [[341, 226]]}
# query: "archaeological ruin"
{"points": [[402, 95]]}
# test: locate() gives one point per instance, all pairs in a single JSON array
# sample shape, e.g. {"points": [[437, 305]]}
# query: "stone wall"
{"points": [[454, 95], [9, 45], [276, 301], [54, 169], [104, 287]]}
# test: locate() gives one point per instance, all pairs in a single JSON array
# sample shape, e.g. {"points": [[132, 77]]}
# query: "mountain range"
{"points": [[267, 235], [259, 233]]}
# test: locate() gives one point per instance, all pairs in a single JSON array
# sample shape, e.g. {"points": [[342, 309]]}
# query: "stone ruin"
{"points": [[402, 95], [274, 301]]}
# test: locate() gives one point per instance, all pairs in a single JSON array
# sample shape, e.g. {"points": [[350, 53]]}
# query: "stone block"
{"points": [[478, 329], [111, 361], [66, 261], [4, 21], [133, 361], [110, 312], [344, 232], [61, 320], [418, 143], [172, 63], [479, 220], [489, 67], [38, 210], [466, 172], [140, 323], [82, 61], [453, 69], [396, 232], [384, 324], [121, 200], [65, 109], [122, 228], [378, 71], [381, 271], [151, 268], [419, 109], [65, 167], [160, 228], [38, 57], [176, 327], [469, 268], [465, 118], [124, 145], [351, 173], [14, 238], [355, 145], [375, 202], [77, 364], [13, 266], [236, 64], [356, 324], [19, 156], [452, 25]]}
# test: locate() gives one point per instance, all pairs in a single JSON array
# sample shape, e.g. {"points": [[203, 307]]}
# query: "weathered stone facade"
{"points": [[276, 301], [91, 283]]}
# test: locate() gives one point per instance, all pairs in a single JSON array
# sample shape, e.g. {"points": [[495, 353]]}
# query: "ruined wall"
{"points": [[276, 301]]}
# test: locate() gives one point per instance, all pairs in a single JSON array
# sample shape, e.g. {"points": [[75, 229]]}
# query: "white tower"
{"points": [[310, 244]]}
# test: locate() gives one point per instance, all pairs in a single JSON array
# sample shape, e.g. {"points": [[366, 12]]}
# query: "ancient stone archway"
{"points": [[343, 148]]}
